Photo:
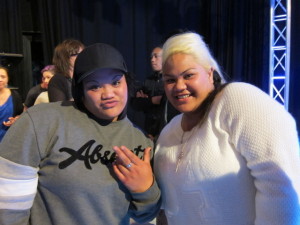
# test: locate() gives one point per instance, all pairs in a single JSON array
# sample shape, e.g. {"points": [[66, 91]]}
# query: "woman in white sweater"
{"points": [[232, 156]]}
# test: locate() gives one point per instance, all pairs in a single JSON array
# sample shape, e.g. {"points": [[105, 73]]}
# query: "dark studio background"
{"points": [[237, 31]]}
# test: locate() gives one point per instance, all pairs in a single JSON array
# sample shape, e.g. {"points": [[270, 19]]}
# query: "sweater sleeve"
{"points": [[145, 206], [266, 136], [18, 173]]}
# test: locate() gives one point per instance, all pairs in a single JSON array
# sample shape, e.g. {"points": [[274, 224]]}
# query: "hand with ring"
{"points": [[135, 173]]}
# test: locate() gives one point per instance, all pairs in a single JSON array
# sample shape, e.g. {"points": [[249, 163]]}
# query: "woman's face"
{"points": [[3, 79], [186, 82], [105, 93], [47, 75]]}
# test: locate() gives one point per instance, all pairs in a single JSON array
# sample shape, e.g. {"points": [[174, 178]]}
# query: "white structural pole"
{"points": [[279, 69]]}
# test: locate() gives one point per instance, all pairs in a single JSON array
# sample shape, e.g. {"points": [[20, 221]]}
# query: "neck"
{"points": [[43, 85], [71, 72], [3, 90], [189, 121]]}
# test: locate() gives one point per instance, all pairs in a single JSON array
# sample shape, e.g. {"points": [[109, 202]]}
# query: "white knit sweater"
{"points": [[241, 167]]}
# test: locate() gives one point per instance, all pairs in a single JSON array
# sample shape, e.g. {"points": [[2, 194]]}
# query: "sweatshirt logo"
{"points": [[90, 155]]}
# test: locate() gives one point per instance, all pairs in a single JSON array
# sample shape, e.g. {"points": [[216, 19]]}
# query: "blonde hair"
{"points": [[191, 43]]}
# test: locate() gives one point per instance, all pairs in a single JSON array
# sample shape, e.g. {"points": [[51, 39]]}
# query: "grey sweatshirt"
{"points": [[55, 168]]}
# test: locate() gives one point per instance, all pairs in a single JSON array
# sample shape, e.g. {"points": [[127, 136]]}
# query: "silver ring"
{"points": [[128, 166]]}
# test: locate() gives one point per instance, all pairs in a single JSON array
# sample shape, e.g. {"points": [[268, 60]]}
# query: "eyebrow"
{"points": [[181, 74], [117, 76], [114, 77]]}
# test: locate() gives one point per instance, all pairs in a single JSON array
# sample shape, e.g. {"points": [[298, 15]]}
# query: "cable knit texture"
{"points": [[241, 167]]}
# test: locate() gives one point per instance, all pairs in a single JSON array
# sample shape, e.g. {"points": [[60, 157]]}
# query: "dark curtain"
{"points": [[10, 27], [236, 31], [59, 21], [11, 41], [238, 34], [132, 26]]}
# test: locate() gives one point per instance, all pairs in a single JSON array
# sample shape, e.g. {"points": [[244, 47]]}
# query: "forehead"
{"points": [[103, 75], [47, 74], [156, 51], [180, 63], [3, 72]]}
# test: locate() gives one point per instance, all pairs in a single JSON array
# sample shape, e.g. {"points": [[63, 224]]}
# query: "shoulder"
{"points": [[53, 110], [172, 127], [15, 94], [136, 129], [242, 89], [34, 89], [246, 101], [128, 124], [246, 95], [151, 77], [58, 78]]}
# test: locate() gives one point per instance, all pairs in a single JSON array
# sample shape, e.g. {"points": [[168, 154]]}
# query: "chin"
{"points": [[184, 109], [112, 117]]}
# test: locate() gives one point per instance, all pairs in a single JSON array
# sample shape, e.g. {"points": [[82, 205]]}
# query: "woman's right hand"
{"points": [[135, 173]]}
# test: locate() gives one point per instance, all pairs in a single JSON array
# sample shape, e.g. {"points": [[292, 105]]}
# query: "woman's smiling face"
{"points": [[186, 82], [105, 93]]}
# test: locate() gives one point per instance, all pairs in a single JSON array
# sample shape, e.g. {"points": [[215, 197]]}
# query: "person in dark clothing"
{"points": [[151, 99], [34, 92], [65, 54]]}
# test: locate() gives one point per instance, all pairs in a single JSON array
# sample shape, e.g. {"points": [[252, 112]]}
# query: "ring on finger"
{"points": [[128, 165]]}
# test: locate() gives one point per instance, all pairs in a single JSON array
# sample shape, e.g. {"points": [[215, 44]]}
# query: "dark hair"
{"points": [[205, 107], [62, 54]]}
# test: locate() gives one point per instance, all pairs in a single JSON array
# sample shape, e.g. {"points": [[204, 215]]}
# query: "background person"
{"points": [[76, 169], [10, 103], [48, 73], [36, 91], [148, 98], [232, 156], [151, 98], [64, 57]]}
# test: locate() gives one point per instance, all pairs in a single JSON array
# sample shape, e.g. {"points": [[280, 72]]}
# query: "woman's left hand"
{"points": [[135, 173], [10, 121]]}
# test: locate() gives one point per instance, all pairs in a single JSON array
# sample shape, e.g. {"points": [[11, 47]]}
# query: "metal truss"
{"points": [[280, 50]]}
